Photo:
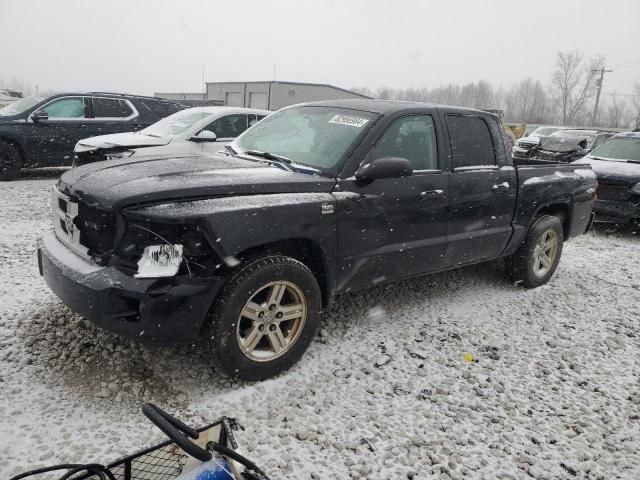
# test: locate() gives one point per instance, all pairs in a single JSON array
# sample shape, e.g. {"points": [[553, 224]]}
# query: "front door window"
{"points": [[70, 107]]}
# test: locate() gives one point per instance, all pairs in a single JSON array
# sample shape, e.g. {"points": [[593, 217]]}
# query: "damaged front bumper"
{"points": [[166, 310]]}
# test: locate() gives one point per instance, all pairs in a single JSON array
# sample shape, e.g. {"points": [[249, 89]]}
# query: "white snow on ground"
{"points": [[383, 392]]}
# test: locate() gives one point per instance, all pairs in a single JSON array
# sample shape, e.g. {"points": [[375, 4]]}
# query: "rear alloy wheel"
{"points": [[10, 161], [535, 262], [545, 253], [265, 317]]}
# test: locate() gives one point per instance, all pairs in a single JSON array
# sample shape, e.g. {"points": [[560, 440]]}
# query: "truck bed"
{"points": [[558, 184]]}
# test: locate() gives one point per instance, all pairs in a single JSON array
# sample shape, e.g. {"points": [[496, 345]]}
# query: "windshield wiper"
{"points": [[230, 149], [284, 161]]}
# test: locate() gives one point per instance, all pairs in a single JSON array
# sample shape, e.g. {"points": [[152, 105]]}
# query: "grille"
{"points": [[64, 211], [542, 155], [81, 227], [97, 227], [619, 193]]}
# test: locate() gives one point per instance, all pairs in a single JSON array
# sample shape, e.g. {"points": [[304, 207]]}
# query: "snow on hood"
{"points": [[614, 170], [120, 140], [112, 184]]}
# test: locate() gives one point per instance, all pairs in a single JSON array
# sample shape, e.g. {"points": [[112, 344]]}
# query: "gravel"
{"points": [[456, 375]]}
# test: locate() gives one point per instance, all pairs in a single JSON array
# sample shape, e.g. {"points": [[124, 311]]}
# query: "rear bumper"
{"points": [[164, 310], [610, 211]]}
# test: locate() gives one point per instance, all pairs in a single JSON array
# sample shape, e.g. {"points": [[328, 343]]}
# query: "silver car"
{"points": [[191, 131]]}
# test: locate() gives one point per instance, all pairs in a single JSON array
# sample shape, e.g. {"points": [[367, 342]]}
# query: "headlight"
{"points": [[636, 188], [121, 154], [159, 261]]}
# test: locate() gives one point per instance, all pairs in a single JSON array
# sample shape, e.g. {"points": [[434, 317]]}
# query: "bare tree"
{"points": [[636, 104], [527, 101], [572, 83], [363, 91], [617, 115]]}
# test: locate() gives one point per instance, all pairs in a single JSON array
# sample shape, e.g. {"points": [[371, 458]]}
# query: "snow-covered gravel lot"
{"points": [[383, 392]]}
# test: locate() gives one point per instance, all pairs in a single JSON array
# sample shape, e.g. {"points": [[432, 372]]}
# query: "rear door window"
{"points": [[471, 141], [162, 108], [111, 108]]}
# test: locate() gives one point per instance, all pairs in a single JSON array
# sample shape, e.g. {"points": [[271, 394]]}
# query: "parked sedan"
{"points": [[194, 130], [617, 165], [41, 130]]}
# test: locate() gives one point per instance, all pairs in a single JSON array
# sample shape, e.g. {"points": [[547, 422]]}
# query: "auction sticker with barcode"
{"points": [[349, 120]]}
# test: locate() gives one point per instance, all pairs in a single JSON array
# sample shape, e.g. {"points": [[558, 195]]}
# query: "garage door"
{"points": [[258, 100], [233, 99]]}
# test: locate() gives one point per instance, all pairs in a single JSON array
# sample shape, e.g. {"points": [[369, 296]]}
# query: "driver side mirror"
{"points": [[385, 167], [204, 136], [39, 116]]}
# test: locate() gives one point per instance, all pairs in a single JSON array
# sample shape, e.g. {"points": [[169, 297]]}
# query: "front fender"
{"points": [[235, 224]]}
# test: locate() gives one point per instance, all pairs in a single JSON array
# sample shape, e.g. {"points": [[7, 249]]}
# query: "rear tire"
{"points": [[535, 262], [10, 161], [265, 317]]}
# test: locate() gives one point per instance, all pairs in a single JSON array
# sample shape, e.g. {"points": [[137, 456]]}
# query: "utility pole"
{"points": [[602, 71], [204, 83]]}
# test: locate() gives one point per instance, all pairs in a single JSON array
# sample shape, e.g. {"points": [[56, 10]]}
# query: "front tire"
{"points": [[10, 161], [265, 318], [535, 262]]}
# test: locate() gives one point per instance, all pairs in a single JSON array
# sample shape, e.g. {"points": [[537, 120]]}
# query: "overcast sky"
{"points": [[151, 46]]}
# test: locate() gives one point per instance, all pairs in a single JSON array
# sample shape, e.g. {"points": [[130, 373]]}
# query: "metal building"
{"points": [[273, 95], [191, 99]]}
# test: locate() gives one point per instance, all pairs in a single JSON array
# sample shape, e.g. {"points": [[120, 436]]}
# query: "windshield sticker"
{"points": [[349, 120]]}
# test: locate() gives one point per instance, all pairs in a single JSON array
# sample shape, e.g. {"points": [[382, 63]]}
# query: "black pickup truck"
{"points": [[246, 249]]}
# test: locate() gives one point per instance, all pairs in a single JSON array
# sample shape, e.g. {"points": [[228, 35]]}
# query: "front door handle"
{"points": [[432, 194], [501, 187]]}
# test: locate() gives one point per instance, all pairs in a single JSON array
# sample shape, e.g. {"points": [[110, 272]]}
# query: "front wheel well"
{"points": [[302, 249], [15, 144]]}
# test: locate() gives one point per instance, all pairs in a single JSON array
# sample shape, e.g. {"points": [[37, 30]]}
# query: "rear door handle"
{"points": [[501, 187], [432, 194]]}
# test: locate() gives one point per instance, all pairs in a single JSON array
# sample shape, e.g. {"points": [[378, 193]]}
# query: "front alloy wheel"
{"points": [[265, 317], [271, 321]]}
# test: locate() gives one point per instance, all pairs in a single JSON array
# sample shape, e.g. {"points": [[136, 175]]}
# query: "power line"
{"points": [[621, 94], [626, 63]]}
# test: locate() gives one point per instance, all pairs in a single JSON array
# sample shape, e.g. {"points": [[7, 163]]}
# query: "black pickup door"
{"points": [[454, 209], [483, 189]]}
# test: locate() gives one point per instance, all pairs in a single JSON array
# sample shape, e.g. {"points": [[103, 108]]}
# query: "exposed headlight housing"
{"points": [[119, 154], [159, 261], [636, 188]]}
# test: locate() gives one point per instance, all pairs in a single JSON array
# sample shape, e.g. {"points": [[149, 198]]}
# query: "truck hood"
{"points": [[114, 184], [119, 141], [614, 171]]}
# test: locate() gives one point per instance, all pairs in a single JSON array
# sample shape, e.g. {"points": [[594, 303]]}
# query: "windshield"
{"points": [[319, 137], [573, 134], [619, 148], [544, 131], [22, 105], [176, 124]]}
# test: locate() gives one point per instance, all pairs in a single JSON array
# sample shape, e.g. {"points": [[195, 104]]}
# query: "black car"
{"points": [[41, 130], [617, 165], [246, 249], [563, 145]]}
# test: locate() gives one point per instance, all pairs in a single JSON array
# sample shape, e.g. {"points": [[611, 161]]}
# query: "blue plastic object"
{"points": [[215, 469]]}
